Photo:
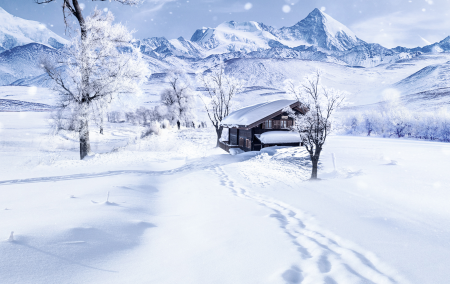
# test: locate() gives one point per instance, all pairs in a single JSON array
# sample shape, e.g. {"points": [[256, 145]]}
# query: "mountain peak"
{"points": [[316, 11], [320, 29]]}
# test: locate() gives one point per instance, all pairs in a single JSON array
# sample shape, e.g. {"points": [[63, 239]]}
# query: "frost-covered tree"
{"points": [[179, 98], [317, 123], [100, 64], [220, 90], [371, 120]]}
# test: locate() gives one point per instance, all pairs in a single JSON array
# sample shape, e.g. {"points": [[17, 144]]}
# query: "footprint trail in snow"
{"points": [[323, 256]]}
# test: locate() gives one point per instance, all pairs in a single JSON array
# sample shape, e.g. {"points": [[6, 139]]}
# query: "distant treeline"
{"points": [[400, 122]]}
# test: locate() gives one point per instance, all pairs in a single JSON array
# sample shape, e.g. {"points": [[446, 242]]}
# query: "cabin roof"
{"points": [[274, 137], [249, 115]]}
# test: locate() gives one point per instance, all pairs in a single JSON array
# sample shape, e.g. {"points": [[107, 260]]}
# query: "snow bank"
{"points": [[236, 151], [274, 137]]}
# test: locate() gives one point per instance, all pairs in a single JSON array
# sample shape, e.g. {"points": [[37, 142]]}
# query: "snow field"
{"points": [[181, 211], [388, 196]]}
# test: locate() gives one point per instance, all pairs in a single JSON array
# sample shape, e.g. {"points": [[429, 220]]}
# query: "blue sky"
{"points": [[390, 23]]}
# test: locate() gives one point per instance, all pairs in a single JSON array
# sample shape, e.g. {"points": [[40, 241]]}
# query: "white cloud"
{"points": [[429, 2], [286, 8], [248, 6], [323, 9], [402, 28]]}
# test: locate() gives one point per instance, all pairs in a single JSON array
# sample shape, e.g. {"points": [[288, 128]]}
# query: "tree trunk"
{"points": [[179, 124], [315, 163], [219, 134], [85, 145], [101, 124]]}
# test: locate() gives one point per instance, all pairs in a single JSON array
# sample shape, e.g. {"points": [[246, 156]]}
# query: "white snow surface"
{"points": [[15, 31], [274, 137], [251, 114], [174, 209]]}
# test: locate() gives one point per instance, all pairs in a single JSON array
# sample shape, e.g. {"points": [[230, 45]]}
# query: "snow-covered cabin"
{"points": [[262, 125]]}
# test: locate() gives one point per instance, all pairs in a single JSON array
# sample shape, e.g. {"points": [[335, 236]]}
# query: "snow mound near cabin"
{"points": [[274, 137]]}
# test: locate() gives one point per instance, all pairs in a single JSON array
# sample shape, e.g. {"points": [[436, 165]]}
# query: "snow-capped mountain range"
{"points": [[318, 32], [247, 49]]}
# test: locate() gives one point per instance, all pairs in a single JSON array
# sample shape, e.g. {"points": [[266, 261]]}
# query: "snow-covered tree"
{"points": [[100, 64], [317, 123], [220, 90], [179, 98]]}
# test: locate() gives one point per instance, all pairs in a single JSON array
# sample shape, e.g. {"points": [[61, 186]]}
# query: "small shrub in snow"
{"points": [[154, 128], [11, 237], [165, 124]]}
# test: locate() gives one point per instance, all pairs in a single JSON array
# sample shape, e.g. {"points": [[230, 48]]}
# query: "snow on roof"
{"points": [[252, 114], [274, 137]]}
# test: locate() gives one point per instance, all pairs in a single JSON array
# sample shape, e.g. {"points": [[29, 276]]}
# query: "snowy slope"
{"points": [[432, 77], [15, 31], [24, 61]]}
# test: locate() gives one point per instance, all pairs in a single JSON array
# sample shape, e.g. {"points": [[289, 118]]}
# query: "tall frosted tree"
{"points": [[100, 64], [179, 98], [218, 94], [315, 126]]}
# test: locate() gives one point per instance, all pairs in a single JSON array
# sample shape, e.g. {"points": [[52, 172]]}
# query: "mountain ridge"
{"points": [[15, 31]]}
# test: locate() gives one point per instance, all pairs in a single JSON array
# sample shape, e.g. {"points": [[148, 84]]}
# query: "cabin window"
{"points": [[283, 123], [268, 124], [276, 124], [241, 141], [248, 144]]}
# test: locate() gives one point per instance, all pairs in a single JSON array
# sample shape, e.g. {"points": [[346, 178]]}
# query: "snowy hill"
{"points": [[15, 31], [23, 62], [432, 77]]}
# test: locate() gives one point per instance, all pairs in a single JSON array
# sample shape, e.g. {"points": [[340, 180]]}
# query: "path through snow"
{"points": [[324, 257]]}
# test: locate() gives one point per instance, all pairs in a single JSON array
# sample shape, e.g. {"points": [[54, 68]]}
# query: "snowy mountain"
{"points": [[234, 36], [317, 37], [442, 46], [160, 47], [15, 31], [318, 29], [321, 30]]}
